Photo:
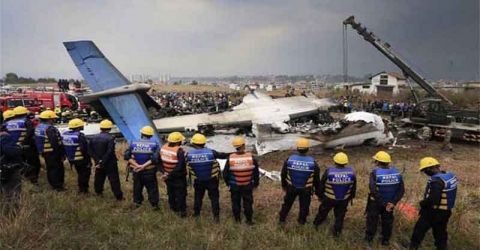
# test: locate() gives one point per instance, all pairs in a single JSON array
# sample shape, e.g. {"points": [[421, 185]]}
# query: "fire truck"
{"points": [[10, 102], [52, 99]]}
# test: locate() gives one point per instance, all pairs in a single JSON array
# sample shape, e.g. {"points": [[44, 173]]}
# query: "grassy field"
{"points": [[50, 220]]}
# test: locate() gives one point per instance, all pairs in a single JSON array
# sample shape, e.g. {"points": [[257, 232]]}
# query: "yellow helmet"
{"points": [[382, 156], [198, 139], [48, 114], [8, 114], [303, 143], [175, 137], [93, 112], [238, 141], [75, 123], [20, 110], [340, 158], [106, 124], [147, 130], [428, 162]]}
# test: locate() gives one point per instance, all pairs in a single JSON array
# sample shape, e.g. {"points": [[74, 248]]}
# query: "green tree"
{"points": [[194, 83], [11, 78]]}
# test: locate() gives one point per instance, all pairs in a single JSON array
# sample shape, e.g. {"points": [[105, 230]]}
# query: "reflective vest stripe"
{"points": [[338, 185], [449, 191], [169, 157], [241, 169]]}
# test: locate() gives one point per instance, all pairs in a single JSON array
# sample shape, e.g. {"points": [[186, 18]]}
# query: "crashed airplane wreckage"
{"points": [[272, 124]]}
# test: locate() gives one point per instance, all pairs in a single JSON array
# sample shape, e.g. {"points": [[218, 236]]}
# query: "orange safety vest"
{"points": [[241, 169], [169, 157]]}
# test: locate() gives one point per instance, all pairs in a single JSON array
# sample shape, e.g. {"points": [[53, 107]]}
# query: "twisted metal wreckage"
{"points": [[270, 124]]}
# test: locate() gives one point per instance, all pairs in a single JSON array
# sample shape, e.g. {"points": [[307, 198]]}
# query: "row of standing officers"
{"points": [[300, 176]]}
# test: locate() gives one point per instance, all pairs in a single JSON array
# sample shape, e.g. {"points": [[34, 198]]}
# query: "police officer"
{"points": [[10, 177], [426, 135], [76, 147], [241, 174], [386, 190], [102, 149], [437, 205], [300, 177], [7, 116], [447, 138], [142, 157], [173, 166], [202, 166], [338, 186], [49, 144], [22, 131]]}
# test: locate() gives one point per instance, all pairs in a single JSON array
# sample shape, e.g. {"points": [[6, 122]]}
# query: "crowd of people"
{"points": [[64, 84], [193, 103], [22, 144]]}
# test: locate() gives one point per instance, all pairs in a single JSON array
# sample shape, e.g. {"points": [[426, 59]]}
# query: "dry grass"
{"points": [[50, 220]]}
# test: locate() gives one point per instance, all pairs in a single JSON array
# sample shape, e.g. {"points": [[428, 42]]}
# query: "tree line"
{"points": [[14, 78]]}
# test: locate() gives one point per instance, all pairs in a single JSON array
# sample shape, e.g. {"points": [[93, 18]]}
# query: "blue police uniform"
{"points": [[204, 169], [143, 151], [76, 148], [49, 144], [436, 209], [300, 177], [23, 132], [337, 187], [386, 186]]}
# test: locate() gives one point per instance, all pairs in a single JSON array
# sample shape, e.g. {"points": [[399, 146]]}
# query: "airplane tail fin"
{"points": [[127, 110]]}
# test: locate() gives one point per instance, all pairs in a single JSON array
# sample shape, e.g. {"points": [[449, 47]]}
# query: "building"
{"points": [[386, 83]]}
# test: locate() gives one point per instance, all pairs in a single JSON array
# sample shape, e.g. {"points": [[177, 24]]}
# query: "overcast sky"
{"points": [[240, 37]]}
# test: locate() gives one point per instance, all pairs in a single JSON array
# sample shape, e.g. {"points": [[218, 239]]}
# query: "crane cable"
{"points": [[345, 53]]}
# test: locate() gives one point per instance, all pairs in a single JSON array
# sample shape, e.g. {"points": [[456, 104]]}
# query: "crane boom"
{"points": [[384, 48]]}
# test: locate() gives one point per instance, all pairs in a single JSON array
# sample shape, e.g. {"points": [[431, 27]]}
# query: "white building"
{"points": [[388, 83]]}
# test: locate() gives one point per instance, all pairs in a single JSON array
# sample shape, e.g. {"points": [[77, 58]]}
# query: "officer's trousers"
{"points": [[148, 179], [55, 170], [339, 210], [30, 156], [177, 195], [11, 189], [239, 194], [110, 171], [83, 175], [374, 211], [304, 196], [212, 187], [437, 220]]}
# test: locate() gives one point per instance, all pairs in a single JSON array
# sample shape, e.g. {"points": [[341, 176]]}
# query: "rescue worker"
{"points": [[7, 115], [338, 187], [50, 146], [10, 177], [58, 112], [436, 207], [447, 138], [202, 166], [386, 190], [300, 177], [22, 131], [66, 116], [426, 135], [76, 147], [174, 170], [102, 150], [142, 157], [241, 174]]}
